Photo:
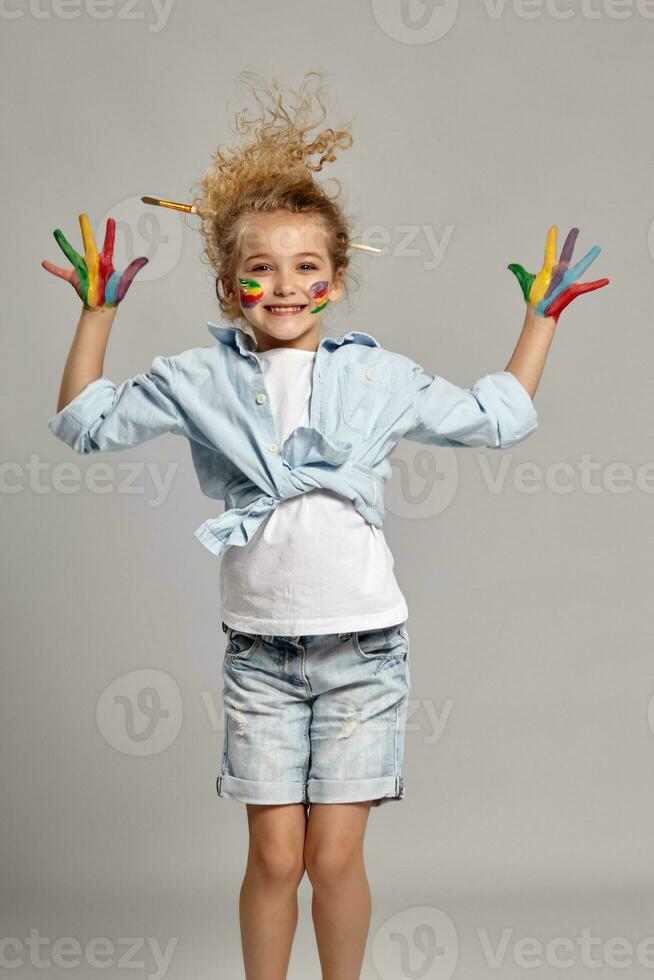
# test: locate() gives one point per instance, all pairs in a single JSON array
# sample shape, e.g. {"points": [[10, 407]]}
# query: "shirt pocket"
{"points": [[367, 396]]}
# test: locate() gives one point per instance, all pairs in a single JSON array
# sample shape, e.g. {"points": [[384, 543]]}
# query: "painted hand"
{"points": [[93, 276], [550, 291]]}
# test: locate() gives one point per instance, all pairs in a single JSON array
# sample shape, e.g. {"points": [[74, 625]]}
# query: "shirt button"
{"points": [[260, 399], [370, 374], [272, 446]]}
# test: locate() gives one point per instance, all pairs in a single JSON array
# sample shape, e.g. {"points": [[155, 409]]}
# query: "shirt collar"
{"points": [[245, 344]]}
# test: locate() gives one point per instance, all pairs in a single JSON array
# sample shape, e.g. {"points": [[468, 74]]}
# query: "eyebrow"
{"points": [[264, 255]]}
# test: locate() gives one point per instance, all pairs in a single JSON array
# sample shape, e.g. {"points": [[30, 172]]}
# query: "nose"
{"points": [[283, 282], [283, 289]]}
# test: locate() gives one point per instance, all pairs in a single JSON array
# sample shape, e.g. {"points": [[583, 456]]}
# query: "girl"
{"points": [[294, 432]]}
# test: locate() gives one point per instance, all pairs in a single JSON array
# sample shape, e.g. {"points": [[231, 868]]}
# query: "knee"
{"points": [[330, 864], [278, 865]]}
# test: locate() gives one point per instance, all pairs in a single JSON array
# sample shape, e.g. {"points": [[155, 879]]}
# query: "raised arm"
{"points": [[93, 413], [547, 294], [497, 411], [528, 359], [101, 288], [85, 361]]}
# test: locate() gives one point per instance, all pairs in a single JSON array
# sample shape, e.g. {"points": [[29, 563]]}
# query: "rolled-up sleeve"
{"points": [[496, 412], [104, 416]]}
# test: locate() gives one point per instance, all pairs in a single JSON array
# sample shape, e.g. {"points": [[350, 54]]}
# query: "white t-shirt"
{"points": [[314, 565]]}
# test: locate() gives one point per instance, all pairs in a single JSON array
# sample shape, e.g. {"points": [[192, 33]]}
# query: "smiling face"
{"points": [[284, 279]]}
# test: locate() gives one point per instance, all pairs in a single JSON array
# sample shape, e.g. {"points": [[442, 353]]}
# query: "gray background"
{"points": [[530, 612]]}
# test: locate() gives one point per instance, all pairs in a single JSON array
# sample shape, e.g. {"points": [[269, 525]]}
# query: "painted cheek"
{"points": [[250, 292], [319, 292]]}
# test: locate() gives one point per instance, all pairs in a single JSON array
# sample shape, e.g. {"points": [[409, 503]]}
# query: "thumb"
{"points": [[526, 279]]}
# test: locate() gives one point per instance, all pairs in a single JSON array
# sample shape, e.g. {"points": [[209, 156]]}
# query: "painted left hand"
{"points": [[555, 286]]}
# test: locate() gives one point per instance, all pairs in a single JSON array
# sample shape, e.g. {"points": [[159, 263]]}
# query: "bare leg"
{"points": [[268, 899], [341, 904]]}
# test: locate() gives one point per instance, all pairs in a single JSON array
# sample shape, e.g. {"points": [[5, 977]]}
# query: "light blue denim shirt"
{"points": [[364, 400]]}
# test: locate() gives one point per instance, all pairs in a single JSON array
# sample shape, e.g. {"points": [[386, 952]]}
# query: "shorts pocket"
{"points": [[240, 645], [385, 643]]}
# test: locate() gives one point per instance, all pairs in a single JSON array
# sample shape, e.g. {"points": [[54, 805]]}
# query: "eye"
{"points": [[262, 266], [309, 265]]}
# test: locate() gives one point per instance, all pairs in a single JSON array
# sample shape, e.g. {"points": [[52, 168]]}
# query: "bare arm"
{"points": [[85, 361], [498, 412], [93, 413], [528, 358]]}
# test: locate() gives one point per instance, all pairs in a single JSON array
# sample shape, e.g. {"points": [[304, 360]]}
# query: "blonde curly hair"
{"points": [[272, 171]]}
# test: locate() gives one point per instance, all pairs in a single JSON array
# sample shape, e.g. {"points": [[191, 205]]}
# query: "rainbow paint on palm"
{"points": [[93, 276], [555, 286], [319, 292], [250, 291]]}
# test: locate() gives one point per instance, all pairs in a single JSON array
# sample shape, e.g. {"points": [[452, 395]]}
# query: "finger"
{"points": [[91, 259], [524, 278], [565, 298], [76, 283], [111, 288], [109, 237], [550, 247], [544, 277], [67, 248], [128, 276], [56, 270], [577, 271], [70, 275], [571, 275], [76, 259], [564, 260], [87, 234], [105, 260], [569, 246]]}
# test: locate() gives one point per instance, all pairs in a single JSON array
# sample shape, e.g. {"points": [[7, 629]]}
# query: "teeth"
{"points": [[276, 309]]}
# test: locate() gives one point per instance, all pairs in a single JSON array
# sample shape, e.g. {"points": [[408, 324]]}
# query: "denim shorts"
{"points": [[315, 719]]}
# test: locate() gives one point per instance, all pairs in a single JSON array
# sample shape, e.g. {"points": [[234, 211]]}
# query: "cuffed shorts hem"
{"points": [[380, 790], [353, 790], [260, 791]]}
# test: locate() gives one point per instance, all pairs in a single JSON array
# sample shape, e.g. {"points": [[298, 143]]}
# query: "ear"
{"points": [[228, 290], [336, 287]]}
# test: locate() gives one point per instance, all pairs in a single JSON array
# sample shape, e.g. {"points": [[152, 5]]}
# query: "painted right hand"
{"points": [[93, 276]]}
